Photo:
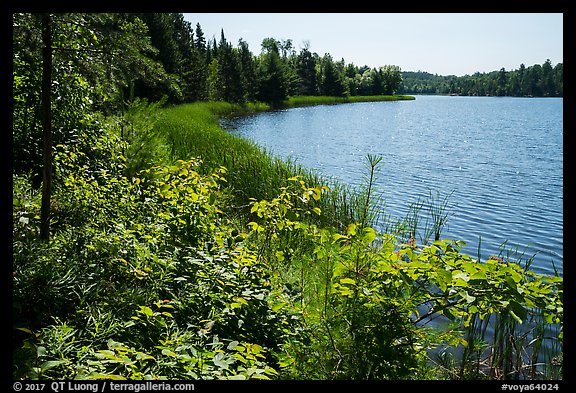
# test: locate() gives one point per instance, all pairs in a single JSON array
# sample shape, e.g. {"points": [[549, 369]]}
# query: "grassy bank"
{"points": [[327, 100], [192, 130]]}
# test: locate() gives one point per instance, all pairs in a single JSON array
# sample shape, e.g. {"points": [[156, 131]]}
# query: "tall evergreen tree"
{"points": [[161, 28], [501, 82], [332, 81], [230, 79], [247, 71], [535, 77], [192, 69], [558, 80], [273, 85], [377, 81], [547, 79], [306, 71], [200, 41]]}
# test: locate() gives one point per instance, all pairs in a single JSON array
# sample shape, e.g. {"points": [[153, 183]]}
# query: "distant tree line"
{"points": [[534, 81]]}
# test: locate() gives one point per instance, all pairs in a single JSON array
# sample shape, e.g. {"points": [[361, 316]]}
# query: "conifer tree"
{"points": [[200, 41], [306, 71], [273, 86]]}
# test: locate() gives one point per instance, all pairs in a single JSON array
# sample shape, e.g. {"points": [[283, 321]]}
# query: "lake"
{"points": [[497, 161]]}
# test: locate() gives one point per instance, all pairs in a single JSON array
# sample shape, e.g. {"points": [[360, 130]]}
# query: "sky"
{"points": [[439, 43]]}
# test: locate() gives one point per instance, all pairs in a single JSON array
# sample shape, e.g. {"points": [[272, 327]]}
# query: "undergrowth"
{"points": [[150, 274]]}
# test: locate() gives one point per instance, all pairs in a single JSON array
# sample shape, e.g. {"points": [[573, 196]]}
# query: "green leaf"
{"points": [[41, 351], [278, 306], [351, 230], [144, 356], [339, 238], [347, 280], [26, 330], [107, 354], [317, 193], [219, 361], [237, 377], [444, 277], [51, 364], [518, 312], [478, 276], [286, 361], [463, 276], [146, 311], [369, 235], [168, 352], [233, 344], [459, 282], [469, 298]]}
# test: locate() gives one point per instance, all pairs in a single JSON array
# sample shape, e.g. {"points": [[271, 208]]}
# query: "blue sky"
{"points": [[439, 43]]}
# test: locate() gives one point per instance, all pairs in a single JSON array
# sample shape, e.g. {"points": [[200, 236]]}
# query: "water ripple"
{"points": [[499, 159]]}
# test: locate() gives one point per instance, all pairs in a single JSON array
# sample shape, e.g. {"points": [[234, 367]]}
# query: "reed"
{"points": [[193, 130], [299, 101]]}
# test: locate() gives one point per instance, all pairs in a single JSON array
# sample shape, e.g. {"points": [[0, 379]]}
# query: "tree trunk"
{"points": [[46, 126]]}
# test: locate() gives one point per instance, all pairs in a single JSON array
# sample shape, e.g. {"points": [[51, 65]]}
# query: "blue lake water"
{"points": [[497, 160]]}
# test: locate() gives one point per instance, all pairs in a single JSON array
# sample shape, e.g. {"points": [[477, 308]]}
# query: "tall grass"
{"points": [[298, 101], [192, 130]]}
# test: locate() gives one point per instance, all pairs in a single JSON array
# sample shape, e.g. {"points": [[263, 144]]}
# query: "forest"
{"points": [[148, 243], [534, 81]]}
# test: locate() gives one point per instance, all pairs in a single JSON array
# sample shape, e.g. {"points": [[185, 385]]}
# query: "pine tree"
{"points": [[229, 71], [306, 71], [273, 87], [200, 41], [247, 71]]}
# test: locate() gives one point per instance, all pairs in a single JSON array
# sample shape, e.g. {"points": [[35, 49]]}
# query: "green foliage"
{"points": [[144, 146], [332, 79], [146, 278], [285, 211], [272, 75], [193, 130], [299, 101], [143, 279], [537, 80], [97, 57], [366, 298], [179, 251], [359, 321]]}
